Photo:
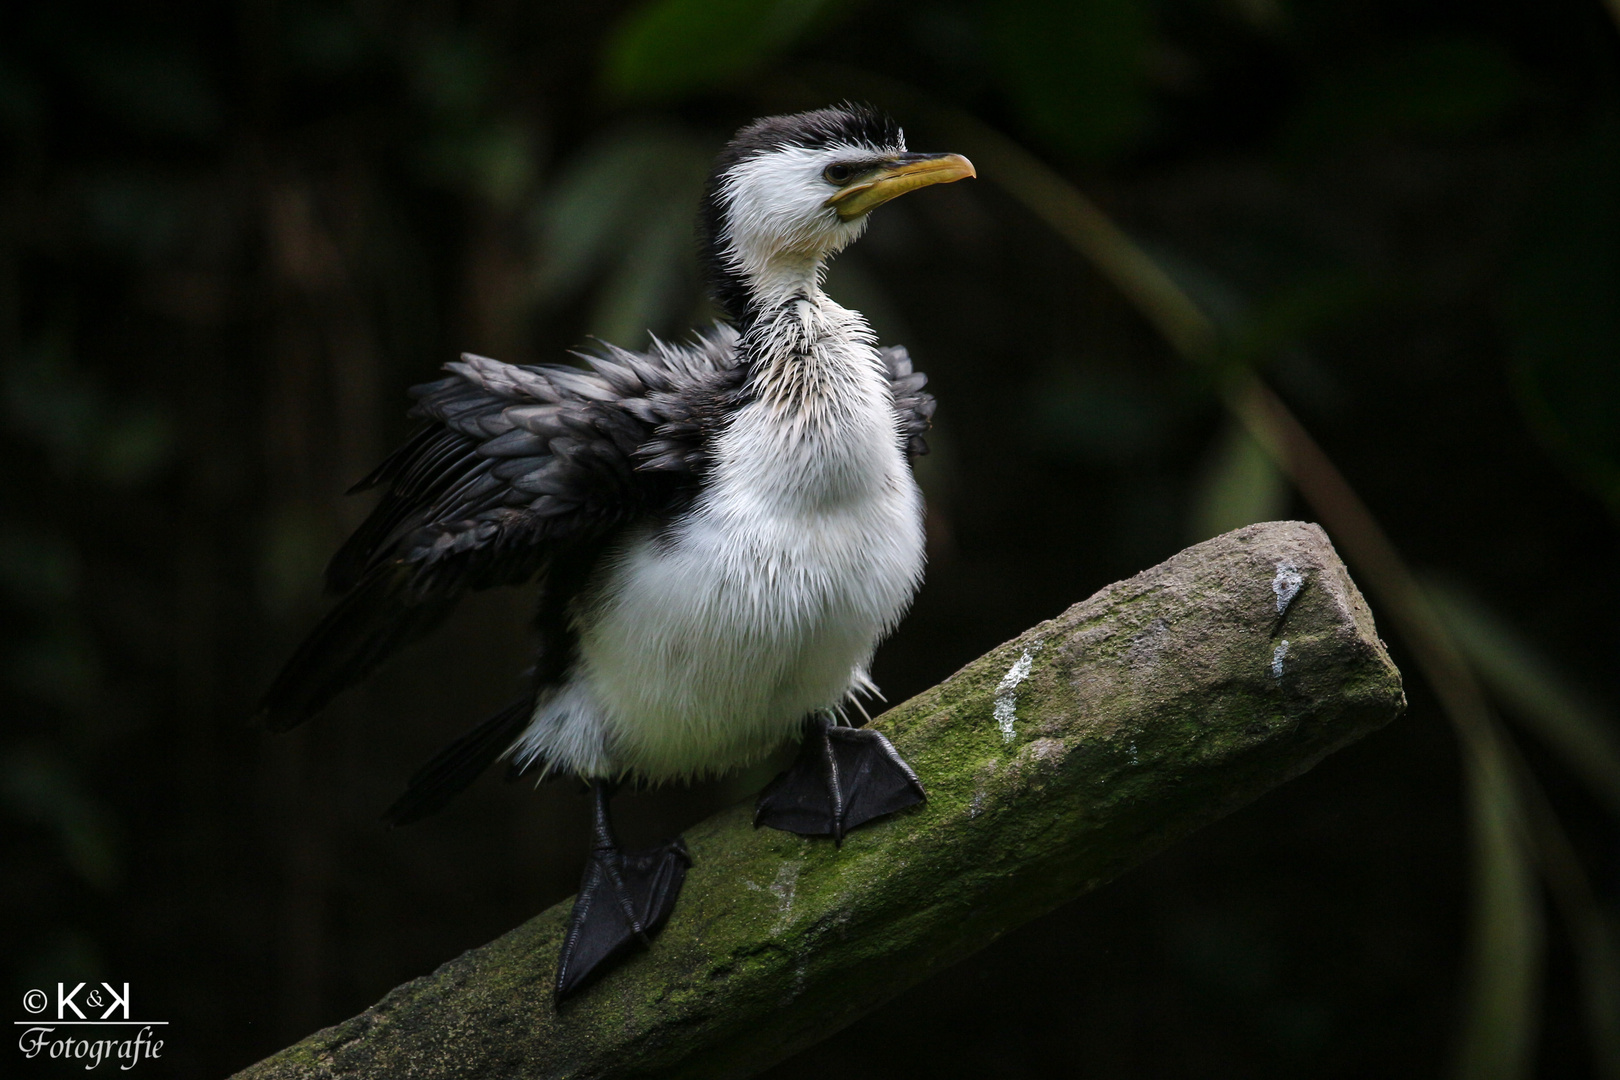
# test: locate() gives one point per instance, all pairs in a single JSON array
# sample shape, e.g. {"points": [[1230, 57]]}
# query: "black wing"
{"points": [[521, 471], [516, 465], [913, 404]]}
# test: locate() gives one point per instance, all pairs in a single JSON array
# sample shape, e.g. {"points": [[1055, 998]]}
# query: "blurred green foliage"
{"points": [[1564, 315], [1509, 941], [672, 47], [232, 234], [41, 787], [620, 212], [1240, 486], [1533, 687], [1444, 87], [1075, 70]]}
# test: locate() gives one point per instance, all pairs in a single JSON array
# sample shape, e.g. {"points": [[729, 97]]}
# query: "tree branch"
{"points": [[1161, 703]]}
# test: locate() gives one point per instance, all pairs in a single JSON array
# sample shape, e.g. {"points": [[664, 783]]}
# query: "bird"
{"points": [[721, 533]]}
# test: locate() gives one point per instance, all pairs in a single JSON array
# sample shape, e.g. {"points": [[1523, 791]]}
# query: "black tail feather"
{"points": [[368, 626], [459, 764]]}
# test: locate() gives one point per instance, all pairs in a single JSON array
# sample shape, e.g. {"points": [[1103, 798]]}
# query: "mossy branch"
{"points": [[1053, 763]]}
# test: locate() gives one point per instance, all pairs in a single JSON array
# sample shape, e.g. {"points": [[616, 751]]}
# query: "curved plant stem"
{"points": [[1497, 1041]]}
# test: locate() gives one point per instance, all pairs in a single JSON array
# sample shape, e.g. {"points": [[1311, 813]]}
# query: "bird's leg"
{"points": [[842, 778], [624, 899], [604, 848]]}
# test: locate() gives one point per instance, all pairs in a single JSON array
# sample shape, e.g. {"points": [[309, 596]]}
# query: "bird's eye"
{"points": [[837, 174]]}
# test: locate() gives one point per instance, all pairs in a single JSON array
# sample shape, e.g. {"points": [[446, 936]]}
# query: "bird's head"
{"points": [[789, 191]]}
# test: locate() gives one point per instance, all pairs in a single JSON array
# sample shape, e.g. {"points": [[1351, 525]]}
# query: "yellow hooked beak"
{"points": [[908, 172]]}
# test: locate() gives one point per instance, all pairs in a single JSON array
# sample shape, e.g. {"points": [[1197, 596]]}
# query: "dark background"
{"points": [[231, 234]]}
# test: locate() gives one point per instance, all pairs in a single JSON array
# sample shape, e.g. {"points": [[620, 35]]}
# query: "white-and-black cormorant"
{"points": [[722, 532]]}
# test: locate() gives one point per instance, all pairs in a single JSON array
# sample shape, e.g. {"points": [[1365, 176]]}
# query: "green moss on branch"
{"points": [[1159, 704]]}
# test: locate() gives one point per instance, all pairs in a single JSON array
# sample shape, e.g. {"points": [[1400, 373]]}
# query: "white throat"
{"points": [[779, 230]]}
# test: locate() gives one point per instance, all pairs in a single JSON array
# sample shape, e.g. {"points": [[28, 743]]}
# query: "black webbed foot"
{"points": [[843, 777], [624, 899]]}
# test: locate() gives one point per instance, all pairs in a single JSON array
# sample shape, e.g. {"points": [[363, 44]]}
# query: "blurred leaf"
{"points": [[1240, 485], [1591, 929], [581, 220], [1537, 693], [1498, 1036], [1074, 69], [1212, 295], [1449, 86], [605, 192], [493, 161], [38, 569], [1565, 318], [40, 787], [650, 281], [665, 48], [624, 205], [1597, 945]]}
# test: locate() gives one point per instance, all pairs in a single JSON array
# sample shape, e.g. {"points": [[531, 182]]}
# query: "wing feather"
{"points": [[517, 466], [912, 404], [513, 465]]}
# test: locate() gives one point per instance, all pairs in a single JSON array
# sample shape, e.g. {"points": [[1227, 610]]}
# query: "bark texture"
{"points": [[1053, 763]]}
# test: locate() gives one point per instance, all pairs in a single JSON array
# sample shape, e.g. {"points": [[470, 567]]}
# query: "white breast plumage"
{"points": [[706, 641], [721, 533]]}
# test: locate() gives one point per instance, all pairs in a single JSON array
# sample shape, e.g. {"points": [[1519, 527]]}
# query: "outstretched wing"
{"points": [[516, 459], [515, 465], [688, 421], [519, 471]]}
